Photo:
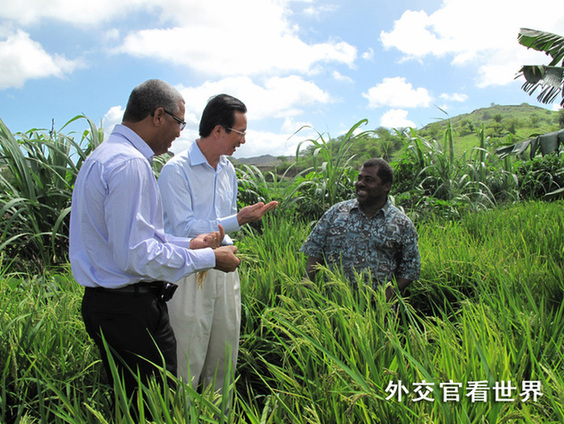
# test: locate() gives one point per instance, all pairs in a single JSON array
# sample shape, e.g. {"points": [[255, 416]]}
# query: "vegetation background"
{"points": [[488, 306]]}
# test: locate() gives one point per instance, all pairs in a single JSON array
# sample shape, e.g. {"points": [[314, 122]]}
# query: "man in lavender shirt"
{"points": [[119, 250]]}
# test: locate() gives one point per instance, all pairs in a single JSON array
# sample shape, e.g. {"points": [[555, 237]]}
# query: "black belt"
{"points": [[162, 289]]}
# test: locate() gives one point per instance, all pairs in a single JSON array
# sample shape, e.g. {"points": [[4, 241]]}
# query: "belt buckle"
{"points": [[167, 291]]}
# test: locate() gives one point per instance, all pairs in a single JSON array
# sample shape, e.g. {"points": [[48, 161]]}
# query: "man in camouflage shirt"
{"points": [[366, 235]]}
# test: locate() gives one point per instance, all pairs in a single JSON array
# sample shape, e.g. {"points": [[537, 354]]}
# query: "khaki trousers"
{"points": [[206, 322]]}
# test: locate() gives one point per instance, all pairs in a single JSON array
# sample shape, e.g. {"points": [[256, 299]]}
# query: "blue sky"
{"points": [[324, 64]]}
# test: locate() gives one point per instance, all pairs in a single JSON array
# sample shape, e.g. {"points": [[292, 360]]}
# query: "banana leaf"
{"points": [[516, 148], [549, 79], [551, 44], [546, 143]]}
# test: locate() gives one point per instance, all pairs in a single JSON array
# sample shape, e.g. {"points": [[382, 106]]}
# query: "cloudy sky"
{"points": [[325, 64]]}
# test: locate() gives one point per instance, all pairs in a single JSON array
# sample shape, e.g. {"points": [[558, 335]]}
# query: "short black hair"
{"points": [[149, 96], [220, 110], [385, 171]]}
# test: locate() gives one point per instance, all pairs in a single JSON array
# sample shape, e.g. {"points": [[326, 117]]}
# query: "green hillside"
{"points": [[503, 124]]}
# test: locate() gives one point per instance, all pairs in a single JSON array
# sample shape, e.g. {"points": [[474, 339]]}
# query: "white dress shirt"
{"points": [[196, 197]]}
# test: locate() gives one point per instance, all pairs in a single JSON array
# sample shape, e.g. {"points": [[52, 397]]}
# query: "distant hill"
{"points": [[487, 114], [503, 124], [259, 161]]}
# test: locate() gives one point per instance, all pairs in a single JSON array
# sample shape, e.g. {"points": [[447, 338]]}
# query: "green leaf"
{"points": [[551, 44], [549, 78]]}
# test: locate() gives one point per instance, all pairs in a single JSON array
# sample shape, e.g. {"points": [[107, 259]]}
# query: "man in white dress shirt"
{"points": [[199, 191]]}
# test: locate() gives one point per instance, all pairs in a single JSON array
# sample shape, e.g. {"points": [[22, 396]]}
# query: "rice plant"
{"points": [[486, 313], [487, 309]]}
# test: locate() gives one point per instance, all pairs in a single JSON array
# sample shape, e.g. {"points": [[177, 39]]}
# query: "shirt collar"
{"points": [[197, 157], [385, 209], [137, 142]]}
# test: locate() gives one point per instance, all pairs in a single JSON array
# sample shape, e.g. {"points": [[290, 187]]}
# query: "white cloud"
{"points": [[454, 97], [277, 97], [411, 35], [368, 54], [257, 53], [340, 77], [396, 118], [480, 34], [250, 38], [215, 38], [22, 59], [76, 12], [111, 118], [396, 92]]}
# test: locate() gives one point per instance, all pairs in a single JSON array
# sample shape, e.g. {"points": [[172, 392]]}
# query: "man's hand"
{"points": [[390, 293], [254, 212], [225, 259], [311, 267], [402, 283], [212, 239]]}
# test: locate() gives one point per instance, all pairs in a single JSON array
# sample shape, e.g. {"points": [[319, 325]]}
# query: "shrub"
{"points": [[540, 176]]}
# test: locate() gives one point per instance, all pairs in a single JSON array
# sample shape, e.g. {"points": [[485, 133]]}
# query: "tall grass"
{"points": [[43, 342], [433, 181], [488, 307], [37, 174], [38, 170], [52, 372], [331, 177]]}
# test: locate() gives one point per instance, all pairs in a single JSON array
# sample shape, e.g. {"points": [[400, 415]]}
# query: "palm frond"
{"points": [[548, 79], [551, 44]]}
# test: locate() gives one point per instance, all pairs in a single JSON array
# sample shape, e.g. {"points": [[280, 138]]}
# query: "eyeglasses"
{"points": [[181, 122], [243, 133]]}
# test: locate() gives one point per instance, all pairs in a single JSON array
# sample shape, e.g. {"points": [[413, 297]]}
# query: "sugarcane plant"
{"points": [[37, 173]]}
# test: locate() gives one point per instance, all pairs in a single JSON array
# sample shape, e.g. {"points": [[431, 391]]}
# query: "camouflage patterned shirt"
{"points": [[385, 244]]}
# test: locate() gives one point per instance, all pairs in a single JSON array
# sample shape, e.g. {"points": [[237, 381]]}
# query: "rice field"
{"points": [[477, 340]]}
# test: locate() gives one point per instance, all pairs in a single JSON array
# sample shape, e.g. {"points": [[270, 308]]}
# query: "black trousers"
{"points": [[136, 327]]}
